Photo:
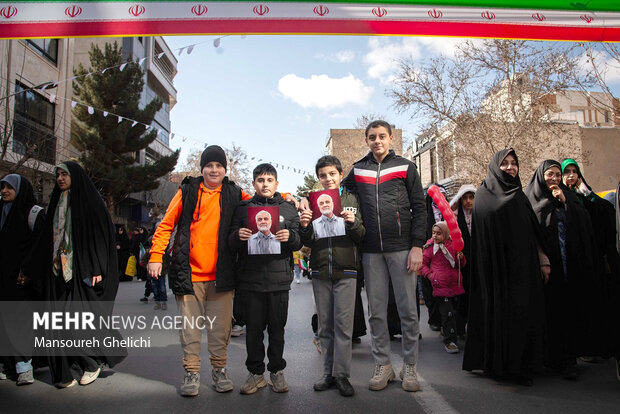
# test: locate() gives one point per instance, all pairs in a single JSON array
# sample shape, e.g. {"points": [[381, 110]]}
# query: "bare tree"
{"points": [[363, 120], [603, 62], [491, 95]]}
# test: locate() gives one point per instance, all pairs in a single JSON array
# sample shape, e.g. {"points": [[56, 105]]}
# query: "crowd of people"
{"points": [[534, 285]]}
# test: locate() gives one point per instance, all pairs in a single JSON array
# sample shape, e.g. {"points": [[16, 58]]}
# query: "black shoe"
{"points": [[525, 381], [357, 340], [344, 386], [435, 328], [324, 384], [144, 299]]}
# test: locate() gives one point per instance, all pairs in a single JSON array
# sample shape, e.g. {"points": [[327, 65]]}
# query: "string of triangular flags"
{"points": [[188, 49], [91, 111]]}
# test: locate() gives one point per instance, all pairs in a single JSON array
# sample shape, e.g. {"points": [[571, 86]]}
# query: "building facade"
{"points": [[583, 126], [35, 111]]}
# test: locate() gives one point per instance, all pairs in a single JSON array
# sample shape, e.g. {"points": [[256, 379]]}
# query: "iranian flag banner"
{"points": [[592, 20]]}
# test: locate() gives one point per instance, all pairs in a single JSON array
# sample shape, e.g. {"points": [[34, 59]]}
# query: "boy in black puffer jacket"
{"points": [[265, 280]]}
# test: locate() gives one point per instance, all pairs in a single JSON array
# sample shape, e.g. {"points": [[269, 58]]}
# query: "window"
{"points": [[33, 125], [151, 156], [47, 48]]}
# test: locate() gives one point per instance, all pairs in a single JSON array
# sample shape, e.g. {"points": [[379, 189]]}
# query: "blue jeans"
{"points": [[159, 288]]}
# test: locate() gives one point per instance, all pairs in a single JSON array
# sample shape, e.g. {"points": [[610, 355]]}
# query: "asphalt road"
{"points": [[148, 379]]}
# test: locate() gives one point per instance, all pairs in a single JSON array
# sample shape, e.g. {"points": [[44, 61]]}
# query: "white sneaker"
{"points": [[380, 377], [89, 377], [237, 330]]}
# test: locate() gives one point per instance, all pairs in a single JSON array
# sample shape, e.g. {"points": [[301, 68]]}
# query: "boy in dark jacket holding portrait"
{"points": [[265, 280], [335, 264]]}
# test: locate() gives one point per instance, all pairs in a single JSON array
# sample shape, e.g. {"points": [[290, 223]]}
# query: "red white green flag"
{"points": [[592, 20]]}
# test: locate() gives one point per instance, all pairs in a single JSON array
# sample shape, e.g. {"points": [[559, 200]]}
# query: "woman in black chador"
{"points": [[78, 267], [21, 220], [575, 275], [506, 313]]}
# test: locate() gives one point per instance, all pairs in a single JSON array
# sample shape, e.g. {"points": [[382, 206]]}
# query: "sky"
{"points": [[278, 96]]}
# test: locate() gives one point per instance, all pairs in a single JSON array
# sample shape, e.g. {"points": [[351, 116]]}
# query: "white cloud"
{"points": [[323, 92], [342, 56], [610, 67], [382, 59], [384, 54]]}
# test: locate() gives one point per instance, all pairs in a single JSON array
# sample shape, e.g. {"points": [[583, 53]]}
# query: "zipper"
{"points": [[329, 244], [400, 233], [377, 201]]}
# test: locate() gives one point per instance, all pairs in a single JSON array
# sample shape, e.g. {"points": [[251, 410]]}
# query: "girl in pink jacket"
{"points": [[442, 264]]}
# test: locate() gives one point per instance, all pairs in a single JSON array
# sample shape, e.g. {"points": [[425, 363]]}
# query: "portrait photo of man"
{"points": [[264, 241], [328, 224]]}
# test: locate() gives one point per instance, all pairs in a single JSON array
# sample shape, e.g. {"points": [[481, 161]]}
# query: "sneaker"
{"points": [[380, 378], [221, 382], [317, 344], [344, 386], [409, 375], [89, 377], [298, 281], [25, 378], [237, 330], [144, 299], [435, 328], [191, 384], [69, 384], [3, 376], [277, 382], [253, 384], [324, 383], [164, 306], [157, 306], [451, 348]]}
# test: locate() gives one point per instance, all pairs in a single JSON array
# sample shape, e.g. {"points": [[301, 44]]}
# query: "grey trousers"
{"points": [[379, 268], [335, 305]]}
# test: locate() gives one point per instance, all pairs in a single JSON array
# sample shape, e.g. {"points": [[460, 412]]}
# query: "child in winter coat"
{"points": [[441, 264]]}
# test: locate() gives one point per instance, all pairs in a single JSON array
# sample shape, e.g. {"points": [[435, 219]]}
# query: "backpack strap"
{"points": [[32, 216]]}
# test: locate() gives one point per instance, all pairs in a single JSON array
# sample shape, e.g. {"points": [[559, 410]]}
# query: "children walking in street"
{"points": [[442, 264]]}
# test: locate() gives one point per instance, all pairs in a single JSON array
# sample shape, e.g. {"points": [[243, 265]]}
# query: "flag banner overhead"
{"points": [[573, 20]]}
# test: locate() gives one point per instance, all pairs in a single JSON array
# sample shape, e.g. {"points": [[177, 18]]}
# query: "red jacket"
{"points": [[446, 280]]}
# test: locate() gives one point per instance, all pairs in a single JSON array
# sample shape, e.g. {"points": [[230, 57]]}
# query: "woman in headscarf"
{"points": [[601, 212], [575, 275], [21, 221], [506, 312], [79, 270], [463, 204], [122, 251], [603, 217]]}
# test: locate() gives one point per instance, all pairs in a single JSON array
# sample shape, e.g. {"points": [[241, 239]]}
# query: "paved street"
{"points": [[147, 381]]}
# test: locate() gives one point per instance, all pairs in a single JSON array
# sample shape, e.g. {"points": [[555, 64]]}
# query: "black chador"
{"points": [[506, 313]]}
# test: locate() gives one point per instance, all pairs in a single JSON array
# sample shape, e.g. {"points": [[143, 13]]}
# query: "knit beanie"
{"points": [[212, 153]]}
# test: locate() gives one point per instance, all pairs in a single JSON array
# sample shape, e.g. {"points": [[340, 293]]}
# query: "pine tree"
{"points": [[310, 184], [109, 148]]}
